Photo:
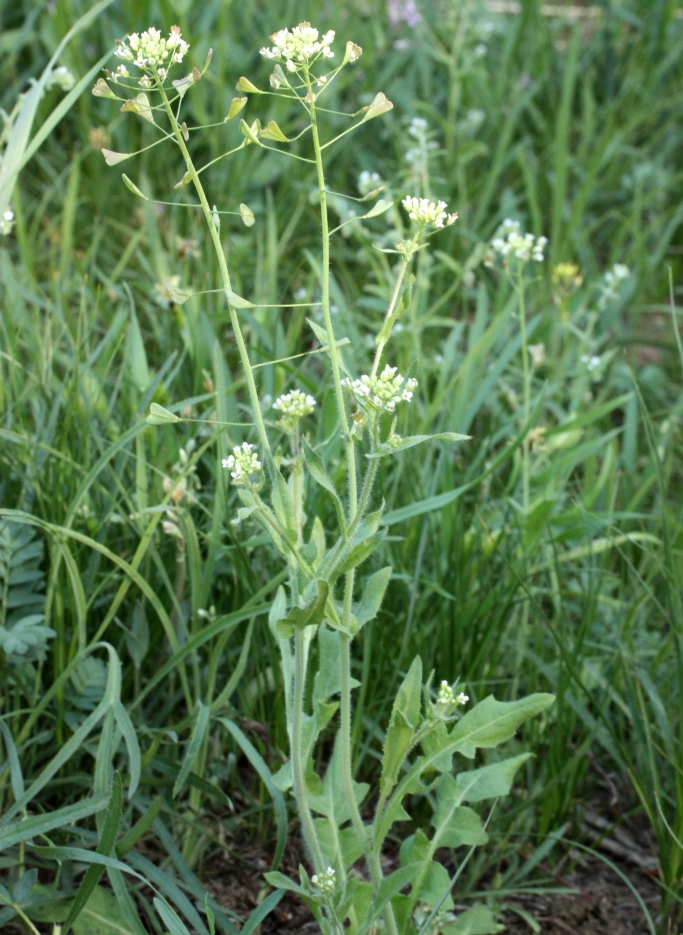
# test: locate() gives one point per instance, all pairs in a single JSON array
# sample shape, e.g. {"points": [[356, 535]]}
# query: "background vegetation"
{"points": [[570, 124]]}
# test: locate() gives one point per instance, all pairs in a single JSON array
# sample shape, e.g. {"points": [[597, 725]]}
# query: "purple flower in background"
{"points": [[405, 11]]}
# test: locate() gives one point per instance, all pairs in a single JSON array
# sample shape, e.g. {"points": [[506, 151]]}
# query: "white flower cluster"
{"points": [[299, 46], [384, 391], [592, 363], [151, 52], [446, 698], [62, 78], [609, 287], [7, 222], [618, 272], [326, 882], [295, 404], [241, 463], [424, 212], [509, 242]]}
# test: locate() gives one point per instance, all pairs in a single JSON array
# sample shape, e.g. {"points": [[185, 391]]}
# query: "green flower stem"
{"points": [[527, 390], [225, 277], [390, 311], [345, 696], [300, 794]]}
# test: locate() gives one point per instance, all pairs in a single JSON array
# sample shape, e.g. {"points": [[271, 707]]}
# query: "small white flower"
{"points": [[425, 212], [242, 463], [150, 52], [445, 698], [325, 882], [510, 244], [462, 698], [7, 222], [592, 363], [382, 392], [299, 46], [293, 406]]}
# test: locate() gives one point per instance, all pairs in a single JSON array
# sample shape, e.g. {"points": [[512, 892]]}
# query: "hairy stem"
{"points": [[300, 794], [345, 662]]}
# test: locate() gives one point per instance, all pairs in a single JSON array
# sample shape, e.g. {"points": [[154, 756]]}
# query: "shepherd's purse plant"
{"points": [[345, 825]]}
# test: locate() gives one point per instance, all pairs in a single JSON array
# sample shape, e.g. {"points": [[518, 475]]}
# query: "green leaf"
{"points": [[199, 730], [136, 356], [110, 827], [316, 469], [311, 614], [479, 920], [380, 207], [327, 681], [433, 878], [455, 824], [411, 440], [26, 828], [332, 801], [275, 878], [339, 847], [395, 882], [492, 722], [140, 828], [373, 594], [401, 306], [281, 498], [432, 743], [405, 716], [259, 765], [169, 917], [260, 913], [101, 915], [490, 781]]}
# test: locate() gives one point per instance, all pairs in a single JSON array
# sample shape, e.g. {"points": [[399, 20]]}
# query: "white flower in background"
{"points": [[7, 222], [242, 463], [62, 78], [296, 404], [462, 698], [510, 244], [293, 406], [382, 392], [609, 287], [592, 363], [299, 46], [417, 128], [151, 52], [325, 882], [425, 212]]}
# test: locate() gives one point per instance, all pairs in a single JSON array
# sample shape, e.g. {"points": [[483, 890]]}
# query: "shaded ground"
{"points": [[598, 900]]}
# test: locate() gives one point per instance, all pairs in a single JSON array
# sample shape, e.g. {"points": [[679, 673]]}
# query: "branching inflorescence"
{"points": [[326, 599]]}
